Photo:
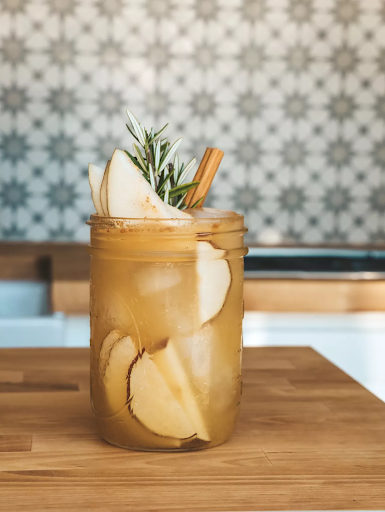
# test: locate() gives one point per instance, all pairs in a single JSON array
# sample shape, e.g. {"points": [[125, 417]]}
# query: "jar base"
{"points": [[205, 446]]}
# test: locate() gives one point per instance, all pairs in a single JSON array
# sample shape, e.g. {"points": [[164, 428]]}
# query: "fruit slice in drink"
{"points": [[152, 402], [95, 176], [120, 357], [179, 382], [103, 190], [129, 195], [132, 382], [213, 280]]}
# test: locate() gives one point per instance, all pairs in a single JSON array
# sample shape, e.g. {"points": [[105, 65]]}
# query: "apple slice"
{"points": [[152, 402], [95, 177], [169, 364], [214, 280], [122, 353], [130, 195], [103, 190]]}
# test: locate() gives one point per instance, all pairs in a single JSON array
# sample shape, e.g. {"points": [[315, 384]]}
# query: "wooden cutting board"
{"points": [[308, 437]]}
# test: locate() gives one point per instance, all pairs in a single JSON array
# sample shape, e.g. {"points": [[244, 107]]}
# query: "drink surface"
{"points": [[166, 329]]}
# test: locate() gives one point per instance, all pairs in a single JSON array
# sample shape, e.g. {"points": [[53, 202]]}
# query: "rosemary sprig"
{"points": [[159, 162], [197, 203]]}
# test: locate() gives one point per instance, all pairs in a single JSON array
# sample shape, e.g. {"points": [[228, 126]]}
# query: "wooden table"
{"points": [[309, 437]]}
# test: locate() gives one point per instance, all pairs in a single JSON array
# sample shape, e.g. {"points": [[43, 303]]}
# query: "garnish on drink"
{"points": [[133, 184]]}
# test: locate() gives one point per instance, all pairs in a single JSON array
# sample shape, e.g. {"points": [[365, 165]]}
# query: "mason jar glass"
{"points": [[166, 329]]}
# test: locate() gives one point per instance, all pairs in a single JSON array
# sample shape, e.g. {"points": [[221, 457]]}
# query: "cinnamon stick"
{"points": [[210, 172], [198, 176], [206, 177]]}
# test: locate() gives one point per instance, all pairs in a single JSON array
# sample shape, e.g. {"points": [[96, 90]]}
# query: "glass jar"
{"points": [[166, 329]]}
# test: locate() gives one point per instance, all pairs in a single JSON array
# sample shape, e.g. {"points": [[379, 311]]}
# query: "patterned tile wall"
{"points": [[292, 90]]}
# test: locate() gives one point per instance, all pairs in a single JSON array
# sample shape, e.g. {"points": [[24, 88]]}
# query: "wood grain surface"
{"points": [[42, 261], [308, 438], [309, 296]]}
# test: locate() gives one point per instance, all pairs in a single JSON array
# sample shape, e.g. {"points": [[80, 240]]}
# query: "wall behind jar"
{"points": [[292, 90]]}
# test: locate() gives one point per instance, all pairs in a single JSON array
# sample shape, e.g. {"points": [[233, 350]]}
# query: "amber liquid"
{"points": [[145, 288]]}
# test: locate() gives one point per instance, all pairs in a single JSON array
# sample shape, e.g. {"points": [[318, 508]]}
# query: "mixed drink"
{"points": [[166, 322]]}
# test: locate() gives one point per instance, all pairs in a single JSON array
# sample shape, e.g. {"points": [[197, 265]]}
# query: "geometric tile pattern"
{"points": [[292, 90]]}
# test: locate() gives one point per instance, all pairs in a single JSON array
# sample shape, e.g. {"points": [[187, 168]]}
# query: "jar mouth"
{"points": [[205, 222], [201, 215], [167, 239]]}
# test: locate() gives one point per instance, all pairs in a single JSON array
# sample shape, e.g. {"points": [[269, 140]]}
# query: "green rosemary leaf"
{"points": [[163, 152], [186, 170], [176, 167], [139, 156], [181, 189], [179, 203], [152, 177], [172, 184], [162, 183], [150, 156], [183, 175], [159, 133], [134, 159], [167, 196], [166, 172], [197, 203], [137, 128], [157, 156], [152, 147], [132, 133], [170, 153]]}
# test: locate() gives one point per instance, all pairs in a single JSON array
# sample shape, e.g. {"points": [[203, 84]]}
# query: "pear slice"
{"points": [[95, 177], [169, 363], [122, 429], [103, 190], [105, 349], [121, 356], [214, 280], [130, 195], [152, 402]]}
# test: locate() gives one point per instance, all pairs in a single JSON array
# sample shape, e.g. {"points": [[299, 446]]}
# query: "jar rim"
{"points": [[153, 236], [217, 215], [212, 223]]}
